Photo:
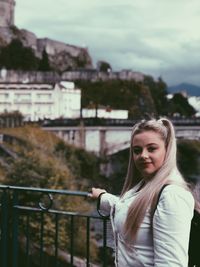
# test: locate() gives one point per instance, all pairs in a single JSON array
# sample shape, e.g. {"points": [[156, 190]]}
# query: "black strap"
{"points": [[162, 188]]}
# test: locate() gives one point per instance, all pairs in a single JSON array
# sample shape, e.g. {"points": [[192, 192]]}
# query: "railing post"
{"points": [[88, 243], [42, 239], [15, 229], [104, 242], [72, 240], [56, 239], [4, 229]]}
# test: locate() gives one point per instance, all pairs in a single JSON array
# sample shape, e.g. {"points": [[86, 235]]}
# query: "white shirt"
{"points": [[166, 245]]}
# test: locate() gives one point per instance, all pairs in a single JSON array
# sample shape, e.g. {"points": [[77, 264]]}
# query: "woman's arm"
{"points": [[106, 201], [171, 227]]}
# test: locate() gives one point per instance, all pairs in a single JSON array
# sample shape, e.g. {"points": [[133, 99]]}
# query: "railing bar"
{"points": [[104, 242], [72, 240], [55, 191], [15, 230], [88, 243], [26, 208], [30, 209], [27, 240], [41, 239], [56, 240]]}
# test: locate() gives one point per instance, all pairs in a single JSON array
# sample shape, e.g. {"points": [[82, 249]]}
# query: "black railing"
{"points": [[40, 228], [64, 122]]}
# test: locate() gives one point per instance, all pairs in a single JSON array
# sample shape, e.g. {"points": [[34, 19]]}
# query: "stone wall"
{"points": [[52, 77], [6, 13]]}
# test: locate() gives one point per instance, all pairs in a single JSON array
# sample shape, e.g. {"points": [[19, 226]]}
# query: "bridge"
{"points": [[108, 137]]}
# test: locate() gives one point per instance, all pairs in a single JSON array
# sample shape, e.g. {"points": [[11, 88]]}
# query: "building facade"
{"points": [[105, 113], [41, 100], [7, 8]]}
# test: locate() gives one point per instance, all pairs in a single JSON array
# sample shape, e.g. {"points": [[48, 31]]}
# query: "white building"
{"points": [[195, 102], [38, 101], [104, 113]]}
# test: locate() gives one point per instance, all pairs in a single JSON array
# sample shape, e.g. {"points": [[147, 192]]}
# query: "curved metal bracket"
{"points": [[46, 206]]}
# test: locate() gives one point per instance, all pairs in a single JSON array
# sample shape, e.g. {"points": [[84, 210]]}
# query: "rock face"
{"points": [[62, 56]]}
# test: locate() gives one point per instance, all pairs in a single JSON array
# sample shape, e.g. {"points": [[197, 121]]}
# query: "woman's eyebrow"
{"points": [[149, 144], [152, 144]]}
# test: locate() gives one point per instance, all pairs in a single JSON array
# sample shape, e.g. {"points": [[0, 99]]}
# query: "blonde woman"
{"points": [[146, 233]]}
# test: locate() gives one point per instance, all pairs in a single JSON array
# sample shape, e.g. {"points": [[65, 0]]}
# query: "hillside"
{"points": [[192, 90], [56, 163], [32, 157], [133, 96]]}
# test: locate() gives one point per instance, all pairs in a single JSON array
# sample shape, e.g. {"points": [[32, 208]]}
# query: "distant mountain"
{"points": [[192, 90]]}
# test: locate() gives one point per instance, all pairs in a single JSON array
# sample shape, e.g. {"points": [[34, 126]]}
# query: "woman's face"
{"points": [[148, 152]]}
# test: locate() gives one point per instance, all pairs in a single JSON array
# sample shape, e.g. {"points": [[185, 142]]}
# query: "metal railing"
{"points": [[37, 230]]}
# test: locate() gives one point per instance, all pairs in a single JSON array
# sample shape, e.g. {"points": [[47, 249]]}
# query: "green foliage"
{"points": [[104, 66], [31, 170], [179, 104], [189, 158], [85, 166], [44, 62], [118, 94], [119, 163], [159, 92], [16, 56], [45, 161]]}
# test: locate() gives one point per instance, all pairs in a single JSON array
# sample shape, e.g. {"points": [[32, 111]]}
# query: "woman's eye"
{"points": [[136, 151], [151, 149]]}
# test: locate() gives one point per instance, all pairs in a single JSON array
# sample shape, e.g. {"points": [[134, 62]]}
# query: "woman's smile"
{"points": [[148, 152]]}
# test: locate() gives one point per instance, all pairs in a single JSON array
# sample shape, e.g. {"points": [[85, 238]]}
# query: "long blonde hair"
{"points": [[149, 193]]}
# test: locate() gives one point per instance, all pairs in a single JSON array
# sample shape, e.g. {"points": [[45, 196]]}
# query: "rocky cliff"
{"points": [[62, 57]]}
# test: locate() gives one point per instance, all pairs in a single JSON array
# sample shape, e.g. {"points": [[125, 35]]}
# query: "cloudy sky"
{"points": [[156, 37]]}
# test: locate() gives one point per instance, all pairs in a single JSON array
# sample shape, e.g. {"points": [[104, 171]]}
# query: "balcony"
{"points": [[37, 232]]}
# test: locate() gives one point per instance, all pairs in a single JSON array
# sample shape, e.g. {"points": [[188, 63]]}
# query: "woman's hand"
{"points": [[96, 192]]}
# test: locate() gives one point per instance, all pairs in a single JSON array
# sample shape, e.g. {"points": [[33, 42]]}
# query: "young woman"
{"points": [[146, 233]]}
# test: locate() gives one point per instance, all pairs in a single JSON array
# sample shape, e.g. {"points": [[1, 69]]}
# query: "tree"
{"points": [[104, 66], [118, 94], [16, 56], [44, 62], [179, 104], [159, 93]]}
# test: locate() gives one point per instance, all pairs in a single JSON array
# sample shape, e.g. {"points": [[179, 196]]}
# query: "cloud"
{"points": [[150, 36]]}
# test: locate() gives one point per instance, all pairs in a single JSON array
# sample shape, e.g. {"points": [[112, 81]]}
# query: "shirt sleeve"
{"points": [[107, 201], [171, 227]]}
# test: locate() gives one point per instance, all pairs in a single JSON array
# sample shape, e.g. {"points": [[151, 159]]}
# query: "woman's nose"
{"points": [[144, 154]]}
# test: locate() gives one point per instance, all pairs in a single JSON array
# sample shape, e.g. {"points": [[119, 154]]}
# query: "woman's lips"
{"points": [[145, 163]]}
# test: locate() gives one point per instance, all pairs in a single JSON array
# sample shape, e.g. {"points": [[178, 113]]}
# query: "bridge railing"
{"points": [[36, 231], [111, 122]]}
